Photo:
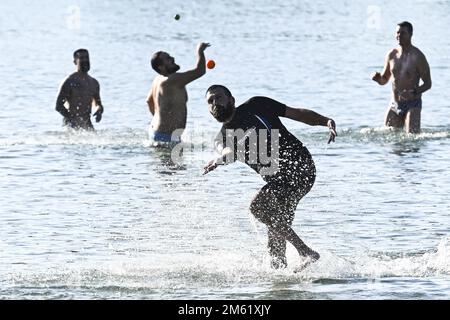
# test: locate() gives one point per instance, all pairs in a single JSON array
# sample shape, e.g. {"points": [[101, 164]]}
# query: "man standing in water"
{"points": [[247, 130], [407, 65], [80, 91], [168, 96]]}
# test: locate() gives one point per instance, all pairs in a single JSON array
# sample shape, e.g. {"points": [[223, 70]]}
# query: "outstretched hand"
{"points": [[202, 46], [210, 166], [332, 126], [376, 76]]}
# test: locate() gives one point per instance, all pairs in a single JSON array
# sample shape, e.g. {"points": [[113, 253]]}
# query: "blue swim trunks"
{"points": [[163, 139], [401, 108]]}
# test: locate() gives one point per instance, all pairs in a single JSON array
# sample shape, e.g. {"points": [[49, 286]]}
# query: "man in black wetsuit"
{"points": [[248, 132]]}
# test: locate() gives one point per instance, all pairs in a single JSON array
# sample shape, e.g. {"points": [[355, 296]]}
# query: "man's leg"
{"points": [[412, 120], [289, 234], [393, 119], [263, 207], [271, 210], [277, 249]]}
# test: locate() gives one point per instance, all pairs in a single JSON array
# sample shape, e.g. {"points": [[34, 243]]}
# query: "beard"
{"points": [[222, 113], [173, 69], [85, 66]]}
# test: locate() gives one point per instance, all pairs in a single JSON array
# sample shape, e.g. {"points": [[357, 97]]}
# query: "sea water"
{"points": [[105, 216]]}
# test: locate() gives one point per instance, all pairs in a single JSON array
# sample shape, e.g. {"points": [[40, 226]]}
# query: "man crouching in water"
{"points": [[80, 92], [294, 173], [168, 96]]}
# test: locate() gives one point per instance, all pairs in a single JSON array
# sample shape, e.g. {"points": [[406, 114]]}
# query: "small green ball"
{"points": [[177, 17]]}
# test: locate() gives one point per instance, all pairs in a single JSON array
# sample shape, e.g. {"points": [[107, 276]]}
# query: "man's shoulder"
{"points": [[93, 79], [69, 80], [163, 81], [392, 53], [419, 53], [262, 104], [72, 77], [254, 101]]}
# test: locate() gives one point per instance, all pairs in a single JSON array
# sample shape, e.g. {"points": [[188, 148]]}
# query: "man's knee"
{"points": [[260, 210]]}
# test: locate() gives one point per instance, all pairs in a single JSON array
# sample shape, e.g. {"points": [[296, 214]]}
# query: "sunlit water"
{"points": [[106, 216]]}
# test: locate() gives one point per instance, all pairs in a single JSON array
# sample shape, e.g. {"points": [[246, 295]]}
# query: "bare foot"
{"points": [[312, 257]]}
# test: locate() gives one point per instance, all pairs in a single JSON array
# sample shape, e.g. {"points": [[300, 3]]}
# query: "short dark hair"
{"points": [[78, 52], [156, 61], [407, 25], [218, 86]]}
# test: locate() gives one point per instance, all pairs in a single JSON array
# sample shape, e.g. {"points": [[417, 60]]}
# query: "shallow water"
{"points": [[105, 216]]}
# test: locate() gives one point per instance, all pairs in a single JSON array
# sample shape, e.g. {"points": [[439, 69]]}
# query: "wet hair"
{"points": [[218, 86], [407, 25], [156, 61], [77, 53]]}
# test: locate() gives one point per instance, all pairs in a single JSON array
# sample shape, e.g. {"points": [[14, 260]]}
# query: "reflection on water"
{"points": [[166, 163], [403, 148]]}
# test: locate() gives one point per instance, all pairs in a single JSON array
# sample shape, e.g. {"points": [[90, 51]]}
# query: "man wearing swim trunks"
{"points": [[78, 94], [407, 65], [289, 174], [168, 96]]}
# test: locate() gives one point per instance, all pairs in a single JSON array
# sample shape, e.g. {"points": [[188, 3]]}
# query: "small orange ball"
{"points": [[210, 64]]}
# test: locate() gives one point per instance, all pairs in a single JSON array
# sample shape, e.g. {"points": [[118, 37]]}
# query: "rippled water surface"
{"points": [[106, 216]]}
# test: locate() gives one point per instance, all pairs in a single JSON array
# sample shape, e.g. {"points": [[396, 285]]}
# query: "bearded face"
{"points": [[221, 105], [222, 113], [173, 68]]}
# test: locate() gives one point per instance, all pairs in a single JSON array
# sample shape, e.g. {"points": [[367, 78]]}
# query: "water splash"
{"points": [[231, 270]]}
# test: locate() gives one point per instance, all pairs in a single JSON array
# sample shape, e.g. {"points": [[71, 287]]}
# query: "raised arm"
{"points": [[98, 103], [181, 79], [63, 96], [383, 78], [313, 119]]}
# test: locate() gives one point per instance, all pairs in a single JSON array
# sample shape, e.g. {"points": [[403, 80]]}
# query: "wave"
{"points": [[227, 272], [376, 135], [128, 137], [388, 134]]}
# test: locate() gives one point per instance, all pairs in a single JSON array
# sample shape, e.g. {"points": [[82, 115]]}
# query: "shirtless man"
{"points": [[78, 94], [168, 96], [407, 65]]}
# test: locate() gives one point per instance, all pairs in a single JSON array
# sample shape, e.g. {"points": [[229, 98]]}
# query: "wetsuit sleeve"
{"points": [[268, 105]]}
